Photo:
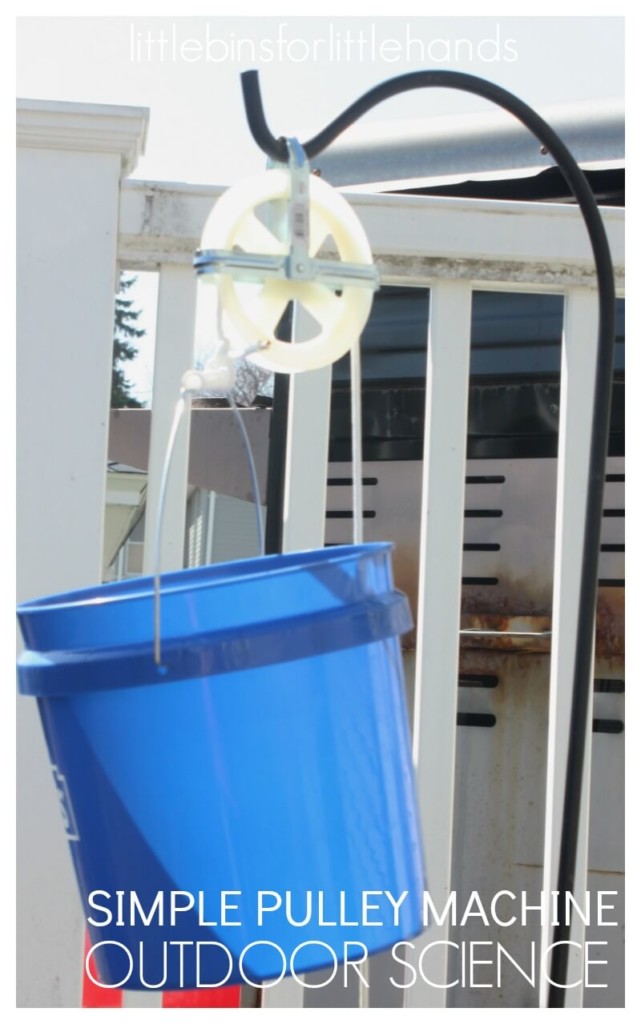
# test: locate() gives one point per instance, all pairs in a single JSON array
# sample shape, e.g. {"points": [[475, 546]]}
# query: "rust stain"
{"points": [[610, 622], [393, 265], [512, 607], [522, 633], [510, 597]]}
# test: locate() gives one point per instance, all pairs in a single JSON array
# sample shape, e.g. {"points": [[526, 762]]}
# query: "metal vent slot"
{"points": [[339, 514], [612, 547], [483, 513], [613, 726], [347, 481], [472, 718], [508, 534], [481, 547], [480, 581], [609, 686], [482, 542], [483, 682], [348, 513]]}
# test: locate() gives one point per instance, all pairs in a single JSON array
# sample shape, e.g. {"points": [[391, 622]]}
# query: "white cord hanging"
{"points": [[255, 315]]}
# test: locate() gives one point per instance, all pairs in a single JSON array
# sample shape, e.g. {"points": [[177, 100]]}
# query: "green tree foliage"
{"points": [[125, 331]]}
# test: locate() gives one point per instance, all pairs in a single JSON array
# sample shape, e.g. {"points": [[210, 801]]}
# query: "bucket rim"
{"points": [[211, 654], [180, 581]]}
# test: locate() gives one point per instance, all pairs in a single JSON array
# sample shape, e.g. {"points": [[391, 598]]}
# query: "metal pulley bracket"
{"points": [[254, 268], [239, 252], [297, 264]]}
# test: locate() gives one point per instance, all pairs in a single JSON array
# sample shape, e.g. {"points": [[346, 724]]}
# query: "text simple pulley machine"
{"points": [[241, 728]]}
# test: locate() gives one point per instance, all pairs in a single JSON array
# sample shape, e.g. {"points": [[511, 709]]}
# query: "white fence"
{"points": [[79, 220]]}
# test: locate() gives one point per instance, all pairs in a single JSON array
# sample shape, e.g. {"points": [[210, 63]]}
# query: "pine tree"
{"points": [[124, 331]]}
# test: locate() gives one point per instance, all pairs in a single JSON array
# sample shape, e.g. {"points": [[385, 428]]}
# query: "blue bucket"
{"points": [[247, 809]]}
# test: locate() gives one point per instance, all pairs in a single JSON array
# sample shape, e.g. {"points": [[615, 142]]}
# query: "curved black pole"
{"points": [[582, 679]]}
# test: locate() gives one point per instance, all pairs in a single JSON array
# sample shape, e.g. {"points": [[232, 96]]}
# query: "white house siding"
{"points": [[219, 529]]}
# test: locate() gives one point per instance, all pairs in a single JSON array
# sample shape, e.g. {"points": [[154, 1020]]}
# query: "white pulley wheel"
{"points": [[255, 316]]}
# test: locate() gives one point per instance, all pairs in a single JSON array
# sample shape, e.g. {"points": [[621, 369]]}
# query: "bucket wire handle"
{"points": [[171, 442], [181, 405]]}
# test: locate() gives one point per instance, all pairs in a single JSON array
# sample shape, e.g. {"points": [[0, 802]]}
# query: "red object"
{"points": [[228, 998], [93, 995]]}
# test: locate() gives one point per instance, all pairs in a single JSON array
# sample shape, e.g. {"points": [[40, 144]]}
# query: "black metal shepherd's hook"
{"points": [[582, 679]]}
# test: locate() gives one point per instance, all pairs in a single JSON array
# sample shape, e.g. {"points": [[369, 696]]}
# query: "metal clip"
{"points": [[298, 265]]}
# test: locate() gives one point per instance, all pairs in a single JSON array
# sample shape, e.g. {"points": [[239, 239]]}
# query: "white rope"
{"points": [[357, 441], [252, 472]]}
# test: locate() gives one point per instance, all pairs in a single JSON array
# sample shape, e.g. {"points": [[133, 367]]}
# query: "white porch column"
{"points": [[439, 605], [71, 158]]}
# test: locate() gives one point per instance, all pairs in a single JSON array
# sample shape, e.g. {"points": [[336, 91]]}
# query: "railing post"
{"points": [[71, 158], [439, 603]]}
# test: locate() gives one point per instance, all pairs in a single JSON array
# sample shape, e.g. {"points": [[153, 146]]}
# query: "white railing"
{"points": [[78, 222]]}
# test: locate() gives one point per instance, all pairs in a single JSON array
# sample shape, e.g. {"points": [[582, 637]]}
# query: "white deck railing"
{"points": [[79, 220]]}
